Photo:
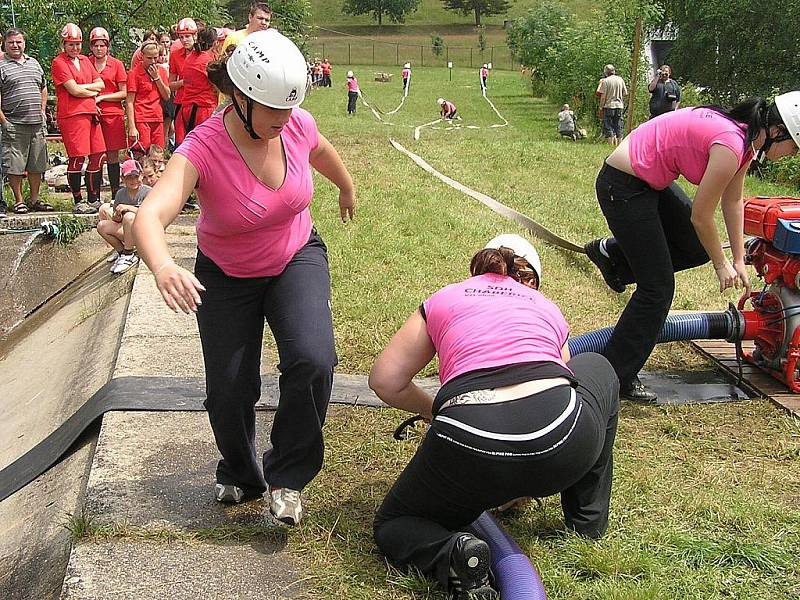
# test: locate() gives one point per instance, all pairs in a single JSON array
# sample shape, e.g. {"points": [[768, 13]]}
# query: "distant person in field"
{"points": [[447, 110], [612, 92], [484, 76], [406, 74], [326, 72], [352, 93], [665, 93], [566, 123]]}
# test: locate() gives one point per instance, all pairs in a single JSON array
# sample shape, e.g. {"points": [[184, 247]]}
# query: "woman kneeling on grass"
{"points": [[658, 230], [116, 221], [514, 417], [259, 257]]}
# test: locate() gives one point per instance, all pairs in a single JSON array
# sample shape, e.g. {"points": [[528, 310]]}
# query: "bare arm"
{"points": [[155, 76], [80, 90], [720, 173], [174, 83], [406, 355], [653, 82], [117, 96], [179, 288], [44, 100], [325, 159], [129, 98], [3, 118]]}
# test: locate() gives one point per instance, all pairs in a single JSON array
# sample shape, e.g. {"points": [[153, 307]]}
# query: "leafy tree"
{"points": [[479, 8], [396, 10], [733, 49], [292, 18], [42, 20], [533, 35]]}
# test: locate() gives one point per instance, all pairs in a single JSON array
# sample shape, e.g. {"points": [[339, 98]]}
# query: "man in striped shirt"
{"points": [[23, 101]]}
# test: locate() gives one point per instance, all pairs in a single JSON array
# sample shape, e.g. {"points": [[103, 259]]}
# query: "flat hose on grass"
{"points": [[694, 326], [514, 575]]}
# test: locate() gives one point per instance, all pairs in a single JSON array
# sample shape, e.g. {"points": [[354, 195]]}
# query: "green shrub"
{"points": [[785, 171]]}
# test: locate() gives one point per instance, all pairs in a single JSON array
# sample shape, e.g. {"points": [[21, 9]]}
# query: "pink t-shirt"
{"points": [[406, 73], [448, 107], [484, 72], [678, 143], [491, 321], [352, 84], [247, 228]]}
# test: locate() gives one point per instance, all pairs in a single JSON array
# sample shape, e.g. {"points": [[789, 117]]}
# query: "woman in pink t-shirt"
{"points": [[514, 418], [259, 258], [352, 92], [658, 230]]}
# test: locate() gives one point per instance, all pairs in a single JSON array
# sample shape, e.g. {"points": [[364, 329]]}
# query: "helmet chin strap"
{"points": [[769, 140], [248, 120]]}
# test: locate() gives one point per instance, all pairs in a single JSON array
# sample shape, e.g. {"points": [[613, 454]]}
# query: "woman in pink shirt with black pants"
{"points": [[259, 258], [658, 230], [514, 417]]}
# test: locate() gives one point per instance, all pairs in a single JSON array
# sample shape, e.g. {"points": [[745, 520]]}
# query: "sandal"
{"points": [[20, 208], [42, 207]]}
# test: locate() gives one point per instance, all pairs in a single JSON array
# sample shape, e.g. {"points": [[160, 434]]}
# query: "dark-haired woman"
{"points": [[259, 258], [658, 230], [199, 94], [514, 417]]}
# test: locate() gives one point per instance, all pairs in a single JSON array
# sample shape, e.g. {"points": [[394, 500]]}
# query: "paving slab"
{"points": [[256, 570]]}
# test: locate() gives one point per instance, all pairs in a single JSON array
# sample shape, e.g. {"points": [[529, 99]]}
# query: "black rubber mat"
{"points": [[149, 394], [187, 394]]}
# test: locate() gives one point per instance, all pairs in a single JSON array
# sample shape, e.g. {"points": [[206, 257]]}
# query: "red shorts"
{"points": [[179, 124], [113, 127], [149, 133], [202, 113], [82, 135]]}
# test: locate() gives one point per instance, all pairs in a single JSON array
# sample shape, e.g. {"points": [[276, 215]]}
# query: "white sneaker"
{"points": [[229, 494], [285, 505], [124, 262], [112, 257]]}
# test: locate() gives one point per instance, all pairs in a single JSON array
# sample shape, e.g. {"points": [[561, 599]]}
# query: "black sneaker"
{"points": [[608, 269], [469, 570], [635, 391]]}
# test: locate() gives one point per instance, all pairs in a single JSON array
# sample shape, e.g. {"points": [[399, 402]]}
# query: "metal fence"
{"points": [[358, 52]]}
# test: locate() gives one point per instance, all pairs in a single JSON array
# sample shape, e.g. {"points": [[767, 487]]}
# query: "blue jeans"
{"points": [[612, 122]]}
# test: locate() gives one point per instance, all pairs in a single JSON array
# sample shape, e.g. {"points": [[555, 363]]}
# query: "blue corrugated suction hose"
{"points": [[692, 326], [514, 575]]}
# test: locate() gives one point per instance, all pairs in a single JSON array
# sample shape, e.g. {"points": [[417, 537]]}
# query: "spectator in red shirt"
{"points": [[147, 87], [187, 34], [199, 95], [326, 72], [109, 102], [77, 85]]}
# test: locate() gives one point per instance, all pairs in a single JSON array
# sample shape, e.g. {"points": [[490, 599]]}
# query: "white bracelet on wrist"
{"points": [[163, 265]]}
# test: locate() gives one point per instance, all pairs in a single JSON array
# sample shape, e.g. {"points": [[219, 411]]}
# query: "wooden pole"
{"points": [[637, 43]]}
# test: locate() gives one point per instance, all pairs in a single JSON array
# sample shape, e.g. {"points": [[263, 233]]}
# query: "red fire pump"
{"points": [[774, 321]]}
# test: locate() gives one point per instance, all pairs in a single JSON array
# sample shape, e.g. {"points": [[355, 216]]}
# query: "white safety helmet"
{"points": [[440, 101], [269, 69], [521, 247], [99, 33], [187, 25], [788, 106], [407, 66], [71, 33], [350, 74], [485, 65]]}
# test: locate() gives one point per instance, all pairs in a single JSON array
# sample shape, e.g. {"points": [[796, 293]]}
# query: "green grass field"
{"points": [[705, 503], [328, 13], [706, 499]]}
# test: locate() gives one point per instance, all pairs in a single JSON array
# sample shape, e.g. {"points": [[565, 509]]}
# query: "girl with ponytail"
{"points": [[658, 230]]}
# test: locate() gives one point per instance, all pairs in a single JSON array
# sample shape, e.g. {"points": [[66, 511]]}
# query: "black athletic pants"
{"points": [[296, 306], [352, 97], [446, 487], [653, 239]]}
